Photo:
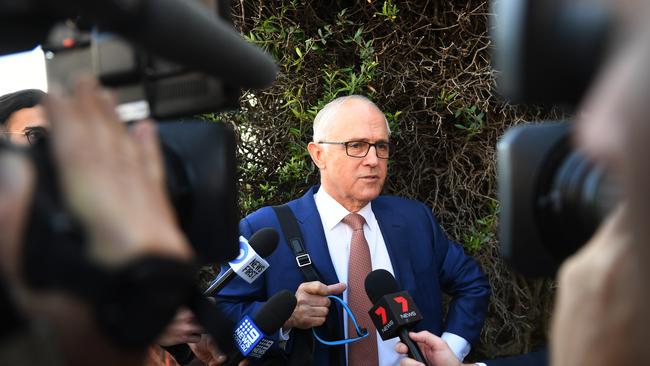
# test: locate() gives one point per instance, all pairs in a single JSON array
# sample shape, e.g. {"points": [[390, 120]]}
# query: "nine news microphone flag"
{"points": [[250, 263], [252, 336], [394, 311]]}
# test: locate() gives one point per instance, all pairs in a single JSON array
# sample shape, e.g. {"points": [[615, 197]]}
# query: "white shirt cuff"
{"points": [[480, 364], [458, 345]]}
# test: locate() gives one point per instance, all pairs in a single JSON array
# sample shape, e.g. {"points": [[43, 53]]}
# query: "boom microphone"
{"points": [[250, 263], [252, 335], [178, 30], [394, 312], [184, 32]]}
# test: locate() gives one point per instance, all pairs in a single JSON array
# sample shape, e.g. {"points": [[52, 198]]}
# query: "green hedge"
{"points": [[427, 66]]}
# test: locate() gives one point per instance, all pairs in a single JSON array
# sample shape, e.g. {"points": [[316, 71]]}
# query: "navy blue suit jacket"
{"points": [[425, 263]]}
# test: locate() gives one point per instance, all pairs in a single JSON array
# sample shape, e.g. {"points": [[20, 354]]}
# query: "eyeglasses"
{"points": [[359, 149], [33, 134]]}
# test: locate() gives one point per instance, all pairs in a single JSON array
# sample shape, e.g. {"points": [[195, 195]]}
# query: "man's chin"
{"points": [[371, 192]]}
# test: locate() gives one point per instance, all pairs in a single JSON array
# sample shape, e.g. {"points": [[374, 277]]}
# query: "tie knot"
{"points": [[354, 220]]}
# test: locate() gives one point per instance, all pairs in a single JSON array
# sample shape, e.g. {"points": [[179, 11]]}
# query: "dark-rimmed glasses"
{"points": [[359, 149], [33, 134]]}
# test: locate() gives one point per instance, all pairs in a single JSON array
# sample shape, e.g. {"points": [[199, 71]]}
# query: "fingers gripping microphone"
{"points": [[250, 263], [252, 335], [394, 312]]}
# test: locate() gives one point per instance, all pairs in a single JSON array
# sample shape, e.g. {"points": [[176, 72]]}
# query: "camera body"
{"points": [[164, 59], [145, 84], [552, 197]]}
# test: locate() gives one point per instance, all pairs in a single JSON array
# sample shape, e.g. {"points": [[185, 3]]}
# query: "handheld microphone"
{"points": [[250, 263], [394, 312], [251, 335]]}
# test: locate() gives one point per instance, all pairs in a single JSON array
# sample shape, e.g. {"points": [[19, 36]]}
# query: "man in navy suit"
{"points": [[351, 149]]}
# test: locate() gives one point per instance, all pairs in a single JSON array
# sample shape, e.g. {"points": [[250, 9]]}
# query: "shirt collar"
{"points": [[331, 212]]}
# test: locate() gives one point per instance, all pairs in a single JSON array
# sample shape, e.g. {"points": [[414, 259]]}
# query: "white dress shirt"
{"points": [[338, 236]]}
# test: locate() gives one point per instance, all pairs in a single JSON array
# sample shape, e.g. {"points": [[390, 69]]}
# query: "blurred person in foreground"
{"points": [[601, 315], [25, 122], [130, 219]]}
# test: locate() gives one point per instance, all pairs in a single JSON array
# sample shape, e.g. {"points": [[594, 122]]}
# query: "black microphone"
{"points": [[252, 335], [394, 312], [249, 264]]}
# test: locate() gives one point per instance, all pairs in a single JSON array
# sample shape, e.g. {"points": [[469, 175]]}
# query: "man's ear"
{"points": [[316, 152]]}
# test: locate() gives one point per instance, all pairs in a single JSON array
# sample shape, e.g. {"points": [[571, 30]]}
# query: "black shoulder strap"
{"points": [[295, 241], [303, 347]]}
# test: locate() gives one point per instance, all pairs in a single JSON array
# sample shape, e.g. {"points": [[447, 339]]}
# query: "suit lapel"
{"points": [[316, 245], [312, 230], [393, 229]]}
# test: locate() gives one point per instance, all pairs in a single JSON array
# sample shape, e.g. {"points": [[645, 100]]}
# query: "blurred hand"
{"points": [[208, 352], [16, 185], [182, 329], [312, 304], [112, 178], [601, 309], [434, 349]]}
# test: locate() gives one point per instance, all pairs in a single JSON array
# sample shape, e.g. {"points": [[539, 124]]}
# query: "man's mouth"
{"points": [[370, 177]]}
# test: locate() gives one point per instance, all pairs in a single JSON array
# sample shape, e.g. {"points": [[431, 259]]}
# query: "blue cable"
{"points": [[362, 333]]}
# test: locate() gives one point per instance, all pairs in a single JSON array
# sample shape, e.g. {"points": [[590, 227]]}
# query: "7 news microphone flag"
{"points": [[394, 312]]}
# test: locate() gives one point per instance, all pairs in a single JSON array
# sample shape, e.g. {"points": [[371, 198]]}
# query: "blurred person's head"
{"points": [[22, 116], [351, 149]]}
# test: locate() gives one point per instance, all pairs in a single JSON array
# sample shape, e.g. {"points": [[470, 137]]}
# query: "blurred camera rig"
{"points": [[164, 59], [552, 197]]}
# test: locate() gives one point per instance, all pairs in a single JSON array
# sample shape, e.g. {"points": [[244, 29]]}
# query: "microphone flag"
{"points": [[248, 265], [392, 312]]}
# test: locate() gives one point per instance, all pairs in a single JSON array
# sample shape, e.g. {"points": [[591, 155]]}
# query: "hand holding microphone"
{"points": [[249, 265], [435, 350], [394, 312], [252, 335]]}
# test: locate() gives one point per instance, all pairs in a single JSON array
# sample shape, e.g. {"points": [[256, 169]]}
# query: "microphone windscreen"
{"points": [[379, 283], [275, 312], [264, 241]]}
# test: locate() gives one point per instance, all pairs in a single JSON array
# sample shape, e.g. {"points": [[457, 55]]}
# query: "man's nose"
{"points": [[371, 158]]}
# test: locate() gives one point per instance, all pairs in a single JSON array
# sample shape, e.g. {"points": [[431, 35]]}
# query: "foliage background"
{"points": [[426, 64]]}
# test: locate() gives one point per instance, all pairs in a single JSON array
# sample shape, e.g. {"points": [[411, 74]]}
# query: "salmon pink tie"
{"points": [[364, 352]]}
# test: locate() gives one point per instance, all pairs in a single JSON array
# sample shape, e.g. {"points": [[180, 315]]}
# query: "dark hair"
{"points": [[12, 102]]}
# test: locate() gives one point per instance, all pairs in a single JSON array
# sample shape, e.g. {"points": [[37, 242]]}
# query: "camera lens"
{"points": [[579, 196]]}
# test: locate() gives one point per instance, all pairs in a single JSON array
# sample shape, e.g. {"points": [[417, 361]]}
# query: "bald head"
{"points": [[329, 114]]}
